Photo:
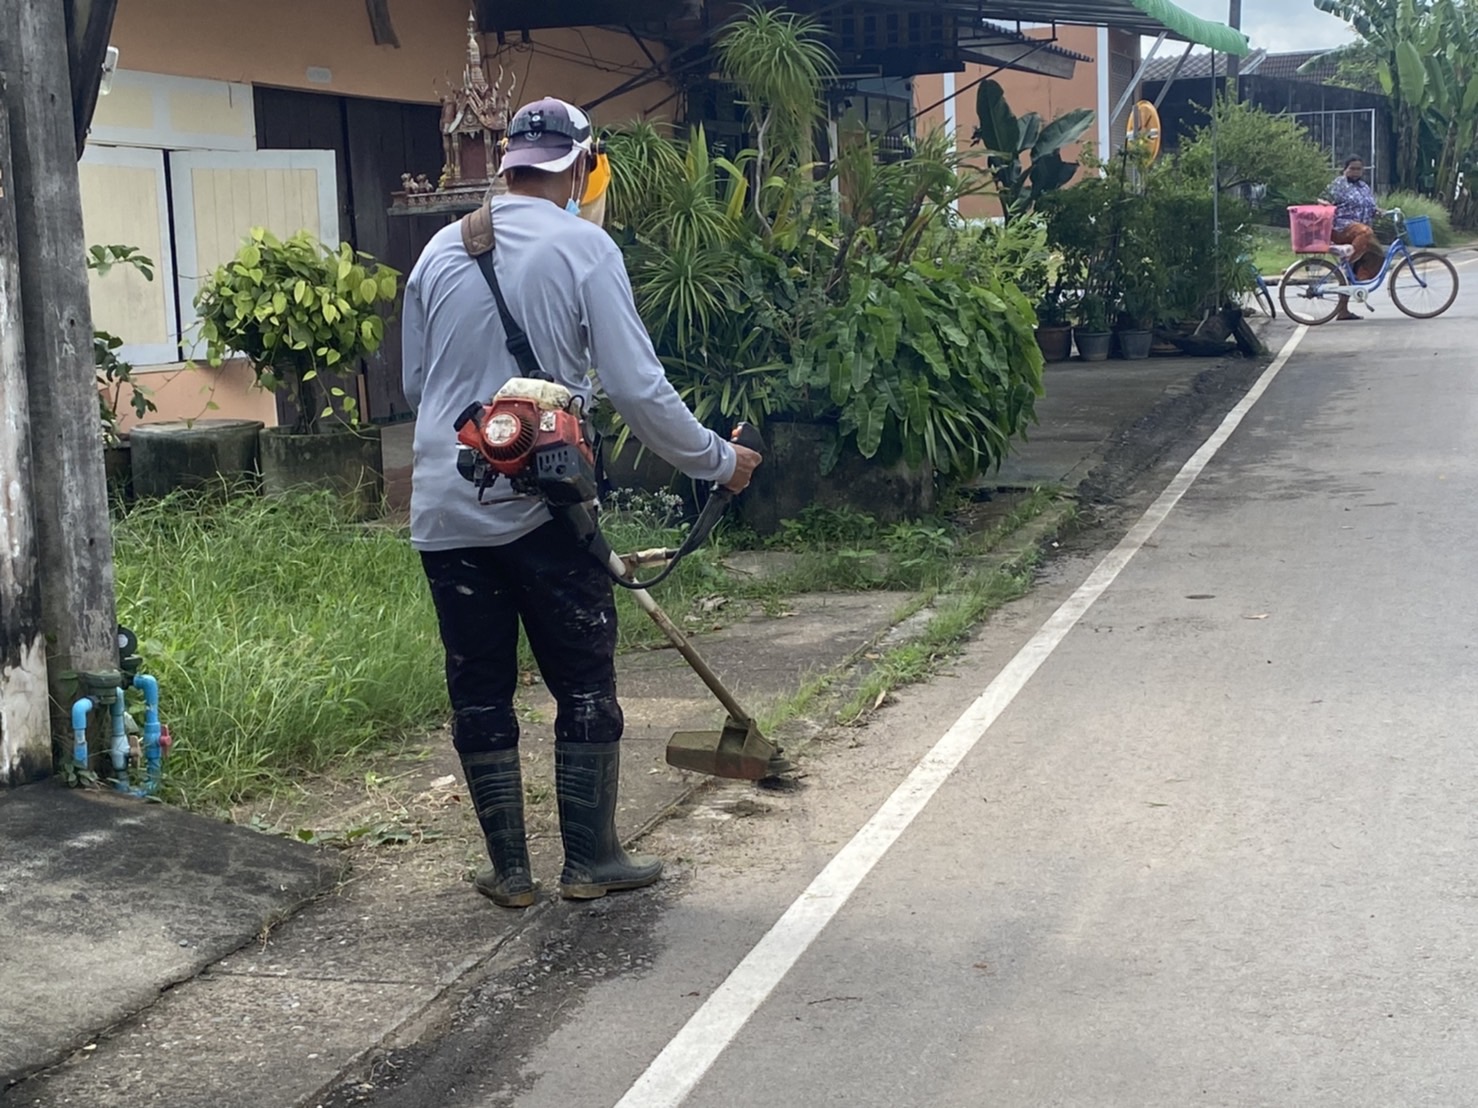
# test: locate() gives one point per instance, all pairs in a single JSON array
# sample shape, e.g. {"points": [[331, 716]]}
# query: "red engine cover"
{"points": [[511, 429]]}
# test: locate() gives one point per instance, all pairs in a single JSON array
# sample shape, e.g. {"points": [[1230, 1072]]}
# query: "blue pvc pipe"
{"points": [[80, 711], [120, 746], [152, 754]]}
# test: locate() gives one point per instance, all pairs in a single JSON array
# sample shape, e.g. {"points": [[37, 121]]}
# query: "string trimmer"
{"points": [[532, 435]]}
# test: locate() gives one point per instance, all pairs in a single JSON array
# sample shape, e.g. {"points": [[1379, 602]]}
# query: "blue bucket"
{"points": [[1419, 231]]}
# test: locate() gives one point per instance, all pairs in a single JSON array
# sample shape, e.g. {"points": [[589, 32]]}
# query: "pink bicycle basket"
{"points": [[1312, 226]]}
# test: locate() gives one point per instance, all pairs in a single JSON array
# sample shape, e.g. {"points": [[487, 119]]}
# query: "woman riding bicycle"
{"points": [[1354, 211]]}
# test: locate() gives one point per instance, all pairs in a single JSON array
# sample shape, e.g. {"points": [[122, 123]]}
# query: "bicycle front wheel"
{"points": [[1424, 285], [1302, 291]]}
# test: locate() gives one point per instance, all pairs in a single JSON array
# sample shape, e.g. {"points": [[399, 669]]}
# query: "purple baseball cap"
{"points": [[548, 134]]}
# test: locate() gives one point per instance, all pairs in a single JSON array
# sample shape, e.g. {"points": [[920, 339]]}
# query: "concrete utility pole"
{"points": [[1234, 63], [25, 724], [69, 489]]}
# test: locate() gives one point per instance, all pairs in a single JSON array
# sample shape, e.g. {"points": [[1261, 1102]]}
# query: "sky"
{"points": [[1278, 25]]}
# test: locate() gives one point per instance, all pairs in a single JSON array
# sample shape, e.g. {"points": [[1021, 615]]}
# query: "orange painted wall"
{"points": [[1025, 92], [276, 42], [187, 391]]}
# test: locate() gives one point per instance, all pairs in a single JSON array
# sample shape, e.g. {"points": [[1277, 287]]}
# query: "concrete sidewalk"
{"points": [[98, 896]]}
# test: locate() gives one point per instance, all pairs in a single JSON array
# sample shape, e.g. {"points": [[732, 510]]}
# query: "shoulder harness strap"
{"points": [[479, 242]]}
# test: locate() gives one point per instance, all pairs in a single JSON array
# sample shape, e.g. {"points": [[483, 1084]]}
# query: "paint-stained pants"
{"points": [[565, 602]]}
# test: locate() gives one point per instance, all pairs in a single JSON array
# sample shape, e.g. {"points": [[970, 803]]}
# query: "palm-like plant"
{"points": [[683, 217], [780, 65]]}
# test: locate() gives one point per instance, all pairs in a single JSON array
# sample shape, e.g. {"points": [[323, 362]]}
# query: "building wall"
{"points": [[187, 73], [326, 46], [1028, 92]]}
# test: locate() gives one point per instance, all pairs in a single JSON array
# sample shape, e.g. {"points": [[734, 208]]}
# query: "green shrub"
{"points": [[1138, 243], [768, 294], [1254, 147], [1414, 204], [295, 308]]}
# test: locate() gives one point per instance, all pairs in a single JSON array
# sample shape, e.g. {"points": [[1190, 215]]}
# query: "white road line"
{"points": [[677, 1070]]}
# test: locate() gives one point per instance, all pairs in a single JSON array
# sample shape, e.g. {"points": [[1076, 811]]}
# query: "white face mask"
{"points": [[577, 190]]}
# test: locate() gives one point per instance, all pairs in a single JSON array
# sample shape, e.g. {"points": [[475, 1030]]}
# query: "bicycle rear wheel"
{"points": [[1302, 291], [1424, 285], [1263, 296]]}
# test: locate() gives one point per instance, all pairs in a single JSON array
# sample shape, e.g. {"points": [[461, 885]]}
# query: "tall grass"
{"points": [[284, 638], [288, 639]]}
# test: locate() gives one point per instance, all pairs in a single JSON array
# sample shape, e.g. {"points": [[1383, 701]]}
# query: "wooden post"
{"points": [[69, 488], [25, 727]]}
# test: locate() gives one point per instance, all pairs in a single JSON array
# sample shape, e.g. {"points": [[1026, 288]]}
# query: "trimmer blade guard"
{"points": [[739, 752]]}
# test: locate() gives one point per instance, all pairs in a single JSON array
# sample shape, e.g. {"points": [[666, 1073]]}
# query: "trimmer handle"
{"points": [[748, 436]]}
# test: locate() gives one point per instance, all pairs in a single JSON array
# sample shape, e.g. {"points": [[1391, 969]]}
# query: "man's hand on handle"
{"points": [[747, 458]]}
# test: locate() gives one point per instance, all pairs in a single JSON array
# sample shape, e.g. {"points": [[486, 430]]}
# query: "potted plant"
{"points": [[299, 311], [1142, 282], [1054, 324], [115, 380], [1092, 333]]}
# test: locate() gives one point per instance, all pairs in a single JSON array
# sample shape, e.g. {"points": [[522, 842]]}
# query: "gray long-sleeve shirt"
{"points": [[566, 286]]}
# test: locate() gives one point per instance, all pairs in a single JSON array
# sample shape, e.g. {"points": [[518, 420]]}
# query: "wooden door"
{"points": [[374, 141]]}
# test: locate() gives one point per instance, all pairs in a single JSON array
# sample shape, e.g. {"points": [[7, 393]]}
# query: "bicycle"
{"points": [[1262, 296], [1422, 284]]}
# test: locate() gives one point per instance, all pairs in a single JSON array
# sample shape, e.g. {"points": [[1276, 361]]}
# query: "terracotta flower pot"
{"points": [[1056, 342]]}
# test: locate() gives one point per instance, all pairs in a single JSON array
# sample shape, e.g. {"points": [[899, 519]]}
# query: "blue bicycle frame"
{"points": [[1359, 291]]}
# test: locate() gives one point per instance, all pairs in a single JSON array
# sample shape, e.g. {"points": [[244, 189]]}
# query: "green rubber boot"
{"points": [[495, 781], [585, 776]]}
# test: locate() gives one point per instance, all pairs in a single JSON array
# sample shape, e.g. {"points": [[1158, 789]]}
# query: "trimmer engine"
{"points": [[531, 434]]}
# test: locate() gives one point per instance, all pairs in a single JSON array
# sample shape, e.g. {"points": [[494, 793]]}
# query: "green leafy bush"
{"points": [[1137, 242], [924, 362], [295, 308], [1253, 147], [869, 307]]}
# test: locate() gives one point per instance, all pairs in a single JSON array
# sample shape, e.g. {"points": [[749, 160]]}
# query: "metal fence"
{"points": [[1347, 133]]}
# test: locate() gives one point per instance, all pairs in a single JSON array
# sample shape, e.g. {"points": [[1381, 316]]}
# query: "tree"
{"points": [[1452, 86], [1396, 35], [780, 64], [1254, 147]]}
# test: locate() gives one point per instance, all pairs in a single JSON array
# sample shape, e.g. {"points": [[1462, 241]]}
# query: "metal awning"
{"points": [[997, 47], [1147, 17]]}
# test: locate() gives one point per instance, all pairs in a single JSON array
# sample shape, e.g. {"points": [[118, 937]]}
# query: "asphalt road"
{"points": [[1214, 847]]}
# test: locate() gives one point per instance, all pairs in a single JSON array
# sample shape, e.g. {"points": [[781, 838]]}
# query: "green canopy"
{"points": [[1147, 17]]}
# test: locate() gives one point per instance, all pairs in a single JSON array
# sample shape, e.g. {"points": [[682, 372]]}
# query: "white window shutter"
{"points": [[220, 196], [125, 202]]}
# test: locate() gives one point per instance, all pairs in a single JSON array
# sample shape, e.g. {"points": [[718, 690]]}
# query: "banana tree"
{"points": [[1400, 35], [1452, 81], [1008, 139]]}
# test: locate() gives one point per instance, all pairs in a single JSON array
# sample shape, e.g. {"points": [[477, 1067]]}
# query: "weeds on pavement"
{"points": [[289, 640]]}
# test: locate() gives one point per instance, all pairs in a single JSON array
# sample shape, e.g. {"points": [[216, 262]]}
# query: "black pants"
{"points": [[565, 602]]}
